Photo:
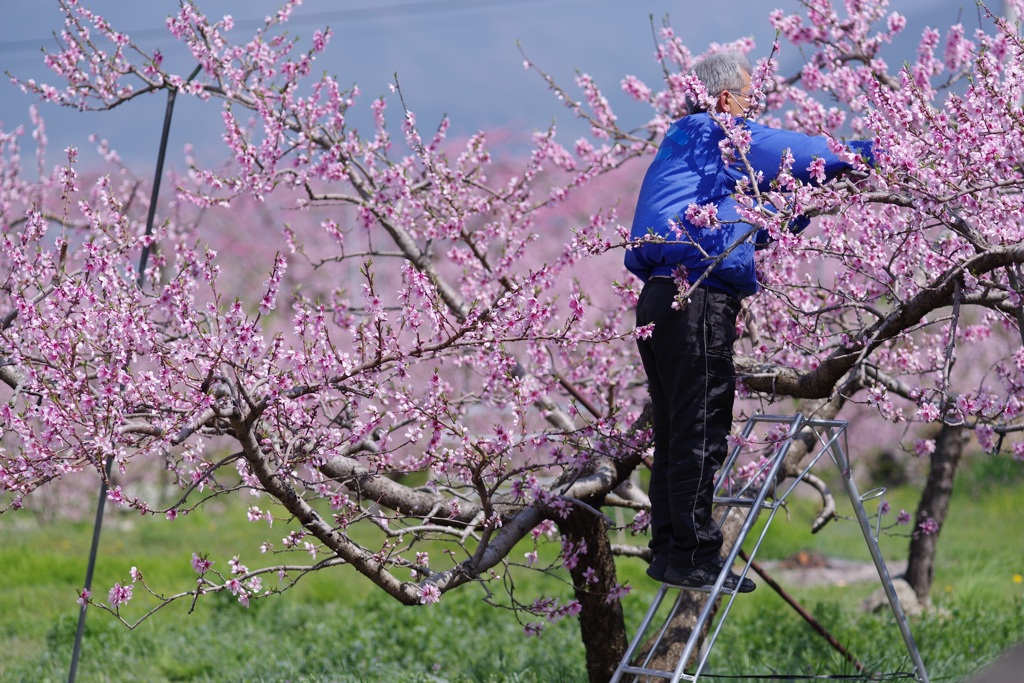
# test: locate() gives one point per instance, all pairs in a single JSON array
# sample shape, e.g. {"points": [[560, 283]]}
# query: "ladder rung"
{"points": [[641, 671], [743, 503], [724, 591]]}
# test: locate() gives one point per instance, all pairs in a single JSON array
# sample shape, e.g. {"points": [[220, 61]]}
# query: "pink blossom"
{"points": [[641, 522], [115, 495], [119, 595], [896, 22], [986, 436], [635, 88], [618, 592], [967, 404], [201, 564], [546, 528], [959, 50], [429, 594], [702, 216], [643, 331], [923, 447], [928, 412], [739, 441], [817, 170], [572, 552], [576, 306], [273, 284]]}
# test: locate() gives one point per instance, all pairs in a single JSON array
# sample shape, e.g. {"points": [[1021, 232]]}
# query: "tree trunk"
{"points": [[602, 626], [934, 505]]}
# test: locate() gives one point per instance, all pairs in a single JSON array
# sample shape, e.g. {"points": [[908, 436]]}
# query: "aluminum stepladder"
{"points": [[760, 491]]}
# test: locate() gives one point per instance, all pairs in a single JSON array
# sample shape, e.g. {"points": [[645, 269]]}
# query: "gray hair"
{"points": [[718, 72]]}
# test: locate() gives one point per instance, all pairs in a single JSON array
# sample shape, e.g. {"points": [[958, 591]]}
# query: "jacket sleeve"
{"points": [[767, 145]]}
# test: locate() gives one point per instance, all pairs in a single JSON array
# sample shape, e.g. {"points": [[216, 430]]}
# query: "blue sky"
{"points": [[452, 56]]}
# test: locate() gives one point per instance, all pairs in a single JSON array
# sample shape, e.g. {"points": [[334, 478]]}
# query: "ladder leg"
{"points": [[876, 555]]}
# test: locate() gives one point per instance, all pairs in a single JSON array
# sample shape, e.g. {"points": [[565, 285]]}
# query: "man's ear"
{"points": [[722, 103]]}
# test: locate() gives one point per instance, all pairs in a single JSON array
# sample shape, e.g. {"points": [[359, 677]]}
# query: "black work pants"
{"points": [[689, 366]]}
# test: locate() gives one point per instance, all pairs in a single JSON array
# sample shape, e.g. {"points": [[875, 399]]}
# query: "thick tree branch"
{"points": [[821, 382]]}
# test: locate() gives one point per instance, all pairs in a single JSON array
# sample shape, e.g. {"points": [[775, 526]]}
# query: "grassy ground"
{"points": [[336, 627]]}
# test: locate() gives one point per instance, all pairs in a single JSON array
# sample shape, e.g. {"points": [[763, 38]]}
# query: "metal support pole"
{"points": [[140, 281]]}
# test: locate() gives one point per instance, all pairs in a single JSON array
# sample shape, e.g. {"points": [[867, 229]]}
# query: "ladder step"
{"points": [[724, 591], [743, 502], [642, 671]]}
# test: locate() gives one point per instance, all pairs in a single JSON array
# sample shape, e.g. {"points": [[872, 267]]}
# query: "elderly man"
{"points": [[688, 356]]}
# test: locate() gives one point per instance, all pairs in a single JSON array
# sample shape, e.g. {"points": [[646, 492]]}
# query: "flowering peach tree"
{"points": [[433, 375]]}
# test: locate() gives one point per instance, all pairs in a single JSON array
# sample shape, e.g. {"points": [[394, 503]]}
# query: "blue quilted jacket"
{"points": [[688, 169]]}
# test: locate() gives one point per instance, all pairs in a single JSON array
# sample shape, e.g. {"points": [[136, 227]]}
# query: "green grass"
{"points": [[281, 640], [337, 627]]}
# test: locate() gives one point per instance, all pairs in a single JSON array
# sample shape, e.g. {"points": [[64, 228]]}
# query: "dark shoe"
{"points": [[656, 570], [703, 578]]}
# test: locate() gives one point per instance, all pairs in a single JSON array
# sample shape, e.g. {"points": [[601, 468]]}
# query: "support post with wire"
{"points": [[165, 134]]}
